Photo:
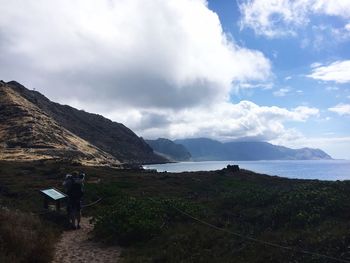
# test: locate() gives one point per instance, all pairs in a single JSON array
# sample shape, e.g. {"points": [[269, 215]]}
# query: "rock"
{"points": [[232, 168]]}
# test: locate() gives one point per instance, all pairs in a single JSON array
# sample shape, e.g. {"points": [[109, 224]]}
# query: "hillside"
{"points": [[169, 149], [32, 126], [28, 133], [203, 149]]}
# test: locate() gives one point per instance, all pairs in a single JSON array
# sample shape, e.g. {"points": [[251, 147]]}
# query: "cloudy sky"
{"points": [[276, 70]]}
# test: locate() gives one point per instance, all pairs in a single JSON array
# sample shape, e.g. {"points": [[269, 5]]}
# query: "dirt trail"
{"points": [[76, 246]]}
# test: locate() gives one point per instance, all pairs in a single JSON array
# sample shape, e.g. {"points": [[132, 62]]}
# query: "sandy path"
{"points": [[76, 246]]}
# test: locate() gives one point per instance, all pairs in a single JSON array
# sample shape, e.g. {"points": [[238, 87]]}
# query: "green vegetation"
{"points": [[130, 220], [140, 211]]}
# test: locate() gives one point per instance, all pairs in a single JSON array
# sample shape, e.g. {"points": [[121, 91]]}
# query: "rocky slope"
{"points": [[33, 127], [203, 149]]}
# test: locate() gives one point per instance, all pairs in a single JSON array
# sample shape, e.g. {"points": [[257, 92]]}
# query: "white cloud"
{"points": [[337, 147], [166, 54], [341, 34], [272, 18], [341, 109], [347, 27], [224, 121], [251, 85], [286, 91], [333, 8], [163, 68], [281, 92], [315, 65], [338, 71], [323, 36], [332, 88], [304, 112], [278, 18]]}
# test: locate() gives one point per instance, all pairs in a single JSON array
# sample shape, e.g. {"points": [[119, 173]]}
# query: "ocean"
{"points": [[331, 170]]}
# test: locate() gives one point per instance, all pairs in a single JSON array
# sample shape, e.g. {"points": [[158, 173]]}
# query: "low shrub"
{"points": [[130, 220], [23, 238]]}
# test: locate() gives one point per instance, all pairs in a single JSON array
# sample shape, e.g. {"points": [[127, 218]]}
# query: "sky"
{"points": [[257, 70]]}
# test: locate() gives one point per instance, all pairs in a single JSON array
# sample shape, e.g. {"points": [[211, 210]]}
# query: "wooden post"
{"points": [[46, 203], [58, 205]]}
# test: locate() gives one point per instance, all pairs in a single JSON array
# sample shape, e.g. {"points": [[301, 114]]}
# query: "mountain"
{"points": [[32, 126], [28, 133], [169, 149], [203, 149]]}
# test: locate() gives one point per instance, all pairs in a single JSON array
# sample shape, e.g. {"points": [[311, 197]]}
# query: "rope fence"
{"points": [[275, 245], [255, 240]]}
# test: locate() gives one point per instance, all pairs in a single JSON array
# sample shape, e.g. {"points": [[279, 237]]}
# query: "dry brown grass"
{"points": [[24, 238], [27, 133]]}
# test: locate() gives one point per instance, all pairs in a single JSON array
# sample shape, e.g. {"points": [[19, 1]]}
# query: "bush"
{"points": [[307, 205], [131, 220], [23, 238]]}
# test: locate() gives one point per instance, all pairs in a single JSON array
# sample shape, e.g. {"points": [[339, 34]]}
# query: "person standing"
{"points": [[74, 189]]}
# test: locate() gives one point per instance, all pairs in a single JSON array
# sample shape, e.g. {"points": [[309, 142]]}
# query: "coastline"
{"points": [[332, 170]]}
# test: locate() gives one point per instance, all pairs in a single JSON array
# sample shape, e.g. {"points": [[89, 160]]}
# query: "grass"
{"points": [[24, 238], [137, 212]]}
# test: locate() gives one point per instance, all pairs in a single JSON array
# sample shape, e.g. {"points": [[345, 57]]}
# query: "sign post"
{"points": [[52, 194]]}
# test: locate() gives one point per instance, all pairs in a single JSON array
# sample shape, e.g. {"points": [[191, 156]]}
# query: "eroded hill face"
{"points": [[32, 124], [28, 133], [111, 137]]}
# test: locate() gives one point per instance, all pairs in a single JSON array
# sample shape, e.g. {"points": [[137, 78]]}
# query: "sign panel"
{"points": [[53, 193]]}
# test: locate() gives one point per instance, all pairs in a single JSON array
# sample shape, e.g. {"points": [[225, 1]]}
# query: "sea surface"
{"points": [[311, 169]]}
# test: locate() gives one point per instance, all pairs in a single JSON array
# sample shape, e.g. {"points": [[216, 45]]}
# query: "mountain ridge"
{"points": [[169, 149], [110, 138], [28, 133], [204, 149]]}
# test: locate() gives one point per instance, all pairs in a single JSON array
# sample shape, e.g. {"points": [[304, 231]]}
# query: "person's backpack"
{"points": [[76, 190]]}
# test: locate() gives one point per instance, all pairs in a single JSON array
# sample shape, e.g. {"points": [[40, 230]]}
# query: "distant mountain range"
{"points": [[32, 127], [169, 149], [203, 149]]}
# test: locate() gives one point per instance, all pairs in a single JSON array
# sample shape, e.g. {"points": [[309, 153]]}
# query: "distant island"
{"points": [[204, 149]]}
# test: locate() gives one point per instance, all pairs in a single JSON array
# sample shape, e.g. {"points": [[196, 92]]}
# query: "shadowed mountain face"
{"points": [[203, 149], [31, 122], [169, 149], [28, 133]]}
